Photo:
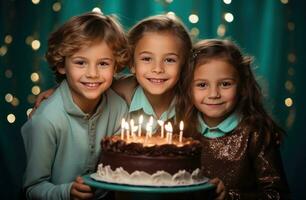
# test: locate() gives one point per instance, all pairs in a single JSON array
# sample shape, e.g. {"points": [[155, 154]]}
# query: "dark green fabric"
{"points": [[259, 27]]}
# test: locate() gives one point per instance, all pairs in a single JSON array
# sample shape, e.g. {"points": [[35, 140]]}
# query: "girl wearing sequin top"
{"points": [[240, 140]]}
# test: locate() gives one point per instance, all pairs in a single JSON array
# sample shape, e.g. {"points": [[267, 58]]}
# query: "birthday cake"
{"points": [[150, 161]]}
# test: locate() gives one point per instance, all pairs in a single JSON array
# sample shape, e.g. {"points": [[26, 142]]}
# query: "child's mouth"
{"points": [[91, 85], [156, 80]]}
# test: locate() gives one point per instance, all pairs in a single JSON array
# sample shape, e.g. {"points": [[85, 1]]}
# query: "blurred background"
{"points": [[272, 31]]}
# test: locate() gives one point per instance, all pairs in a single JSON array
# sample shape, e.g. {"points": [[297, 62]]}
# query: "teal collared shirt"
{"points": [[140, 105], [226, 126], [62, 142]]}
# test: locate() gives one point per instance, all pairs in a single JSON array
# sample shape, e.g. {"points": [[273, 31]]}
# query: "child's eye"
{"points": [[80, 62], [201, 85], [146, 59], [104, 64], [225, 84], [170, 60]]}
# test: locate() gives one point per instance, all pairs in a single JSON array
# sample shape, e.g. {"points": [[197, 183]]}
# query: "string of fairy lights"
{"points": [[227, 18]]}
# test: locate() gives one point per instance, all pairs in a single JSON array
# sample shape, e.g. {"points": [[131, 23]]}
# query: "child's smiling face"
{"points": [[214, 90], [89, 73], [157, 60]]}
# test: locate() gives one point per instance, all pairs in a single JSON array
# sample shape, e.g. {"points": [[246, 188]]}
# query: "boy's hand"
{"points": [[44, 95], [220, 188], [80, 191]]}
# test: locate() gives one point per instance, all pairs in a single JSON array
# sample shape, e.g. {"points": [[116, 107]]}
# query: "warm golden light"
{"points": [[288, 102], [29, 111], [193, 18], [34, 77], [289, 85], [36, 90], [229, 17], [194, 31], [8, 39], [9, 97], [227, 1], [35, 1], [284, 1], [291, 57], [31, 98], [11, 118], [96, 9], [171, 15], [3, 50], [29, 40], [15, 101], [35, 44], [221, 30], [56, 7]]}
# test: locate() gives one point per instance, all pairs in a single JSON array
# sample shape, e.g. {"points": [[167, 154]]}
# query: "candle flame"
{"points": [[151, 120], [127, 126], [160, 122], [181, 125], [140, 120], [132, 123], [148, 127], [168, 127]]}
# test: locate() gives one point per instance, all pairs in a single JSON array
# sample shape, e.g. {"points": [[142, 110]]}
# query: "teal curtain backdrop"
{"points": [[272, 31]]}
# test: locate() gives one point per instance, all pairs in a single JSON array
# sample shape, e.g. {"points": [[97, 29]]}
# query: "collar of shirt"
{"points": [[226, 126], [140, 101], [72, 108]]}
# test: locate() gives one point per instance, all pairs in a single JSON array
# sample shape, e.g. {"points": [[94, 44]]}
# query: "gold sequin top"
{"points": [[249, 168]]}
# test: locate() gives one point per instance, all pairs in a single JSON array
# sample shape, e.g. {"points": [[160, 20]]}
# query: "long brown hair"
{"points": [[250, 99], [82, 31]]}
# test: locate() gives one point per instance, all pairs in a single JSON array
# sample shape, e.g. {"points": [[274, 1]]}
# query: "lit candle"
{"points": [[170, 133], [127, 127], [181, 130], [169, 130], [140, 120], [161, 123], [122, 128], [148, 129], [132, 126]]}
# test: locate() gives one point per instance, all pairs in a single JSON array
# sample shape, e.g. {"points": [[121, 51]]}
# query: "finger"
{"points": [[82, 187], [79, 179], [77, 195]]}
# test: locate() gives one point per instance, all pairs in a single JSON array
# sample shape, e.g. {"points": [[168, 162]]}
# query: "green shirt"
{"points": [[62, 142], [140, 105], [226, 126]]}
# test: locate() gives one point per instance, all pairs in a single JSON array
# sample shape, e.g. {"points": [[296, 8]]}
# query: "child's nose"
{"points": [[158, 68], [214, 92], [92, 72]]}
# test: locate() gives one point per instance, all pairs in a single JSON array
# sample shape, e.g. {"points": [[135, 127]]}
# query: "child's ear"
{"points": [[61, 70]]}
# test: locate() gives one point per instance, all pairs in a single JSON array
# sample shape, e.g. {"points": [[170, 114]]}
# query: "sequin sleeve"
{"points": [[268, 169]]}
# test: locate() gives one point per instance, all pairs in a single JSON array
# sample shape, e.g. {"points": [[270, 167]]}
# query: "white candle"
{"points": [[161, 123], [132, 127], [169, 130], [122, 128], [151, 120], [181, 130], [127, 127], [170, 133], [140, 120], [148, 129]]}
